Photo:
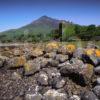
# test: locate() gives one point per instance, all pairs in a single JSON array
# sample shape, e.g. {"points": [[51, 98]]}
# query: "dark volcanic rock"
{"points": [[96, 90], [88, 95]]}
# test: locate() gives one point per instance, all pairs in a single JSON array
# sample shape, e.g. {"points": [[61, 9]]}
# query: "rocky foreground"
{"points": [[50, 72]]}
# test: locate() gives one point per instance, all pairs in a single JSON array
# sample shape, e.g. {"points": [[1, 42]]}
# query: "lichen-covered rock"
{"points": [[88, 95], [52, 46], [50, 55], [31, 67], [54, 95], [36, 96], [96, 90], [61, 58], [70, 48], [16, 62], [37, 52]]}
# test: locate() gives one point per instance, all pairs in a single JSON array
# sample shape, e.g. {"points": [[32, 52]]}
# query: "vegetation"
{"points": [[46, 29]]}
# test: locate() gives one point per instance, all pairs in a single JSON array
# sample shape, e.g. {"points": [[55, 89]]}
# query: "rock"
{"points": [[54, 95], [76, 62], [53, 63], [17, 52], [96, 91], [61, 58], [97, 70], [82, 73], [62, 50], [31, 67], [98, 81], [88, 95], [52, 72], [42, 78], [16, 76], [53, 46], [16, 62], [50, 55], [37, 52], [78, 53], [3, 59], [44, 62], [74, 97], [70, 48], [36, 96]]}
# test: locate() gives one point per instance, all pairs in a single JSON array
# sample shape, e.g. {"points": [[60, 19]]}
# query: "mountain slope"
{"points": [[42, 25]]}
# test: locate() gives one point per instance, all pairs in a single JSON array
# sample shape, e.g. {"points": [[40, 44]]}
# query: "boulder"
{"points": [[31, 67], [61, 58], [88, 95], [16, 62], [50, 55], [96, 91], [42, 79], [98, 81], [97, 70], [54, 95], [82, 73]]}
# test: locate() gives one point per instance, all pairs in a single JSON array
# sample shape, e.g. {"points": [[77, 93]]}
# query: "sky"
{"points": [[17, 13]]}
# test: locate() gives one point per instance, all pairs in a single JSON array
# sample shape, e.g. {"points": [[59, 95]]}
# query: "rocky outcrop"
{"points": [[51, 72]]}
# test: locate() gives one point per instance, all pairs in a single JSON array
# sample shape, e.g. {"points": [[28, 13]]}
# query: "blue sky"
{"points": [[17, 13]]}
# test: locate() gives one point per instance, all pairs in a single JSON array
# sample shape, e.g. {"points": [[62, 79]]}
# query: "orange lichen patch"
{"points": [[20, 61], [70, 48], [97, 52], [52, 46], [90, 52]]}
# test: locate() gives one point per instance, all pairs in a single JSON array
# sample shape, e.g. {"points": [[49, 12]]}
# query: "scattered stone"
{"points": [[96, 90], [54, 95]]}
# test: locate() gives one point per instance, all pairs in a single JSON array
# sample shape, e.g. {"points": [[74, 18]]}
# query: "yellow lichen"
{"points": [[52, 45], [37, 52], [27, 67], [89, 52], [70, 48]]}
